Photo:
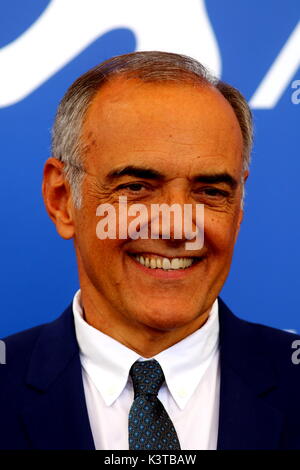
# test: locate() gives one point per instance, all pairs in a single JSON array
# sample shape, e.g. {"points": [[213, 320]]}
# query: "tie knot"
{"points": [[147, 377]]}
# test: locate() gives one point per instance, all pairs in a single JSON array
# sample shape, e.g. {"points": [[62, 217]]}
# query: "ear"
{"points": [[241, 211], [57, 198]]}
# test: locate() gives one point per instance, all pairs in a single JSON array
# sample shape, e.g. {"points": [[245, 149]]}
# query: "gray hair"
{"points": [[147, 66]]}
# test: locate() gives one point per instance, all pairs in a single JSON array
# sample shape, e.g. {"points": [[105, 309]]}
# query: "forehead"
{"points": [[171, 126]]}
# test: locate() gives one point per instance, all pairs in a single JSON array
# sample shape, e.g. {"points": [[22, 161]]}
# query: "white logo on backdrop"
{"points": [[67, 27], [280, 74]]}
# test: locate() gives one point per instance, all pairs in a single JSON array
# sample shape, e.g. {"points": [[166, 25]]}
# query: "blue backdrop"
{"points": [[252, 42]]}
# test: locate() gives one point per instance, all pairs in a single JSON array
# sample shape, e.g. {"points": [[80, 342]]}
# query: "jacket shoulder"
{"points": [[262, 337], [35, 363], [18, 351], [19, 348], [21, 342], [261, 348]]}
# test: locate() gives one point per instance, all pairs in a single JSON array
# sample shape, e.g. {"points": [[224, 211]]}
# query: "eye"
{"points": [[213, 192], [134, 187]]}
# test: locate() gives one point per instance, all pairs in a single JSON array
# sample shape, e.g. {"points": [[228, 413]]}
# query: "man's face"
{"points": [[183, 134]]}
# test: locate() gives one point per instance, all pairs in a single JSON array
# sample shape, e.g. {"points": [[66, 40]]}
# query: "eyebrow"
{"points": [[150, 173], [132, 170], [215, 178]]}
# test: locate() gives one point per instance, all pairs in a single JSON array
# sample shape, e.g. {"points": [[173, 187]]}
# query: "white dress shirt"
{"points": [[190, 393]]}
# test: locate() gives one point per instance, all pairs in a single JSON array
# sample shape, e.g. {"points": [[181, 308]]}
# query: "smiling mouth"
{"points": [[164, 263]]}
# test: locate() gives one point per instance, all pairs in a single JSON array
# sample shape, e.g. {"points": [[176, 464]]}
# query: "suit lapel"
{"points": [[55, 413], [246, 419]]}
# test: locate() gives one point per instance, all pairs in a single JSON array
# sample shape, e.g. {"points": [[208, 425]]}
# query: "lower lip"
{"points": [[162, 274]]}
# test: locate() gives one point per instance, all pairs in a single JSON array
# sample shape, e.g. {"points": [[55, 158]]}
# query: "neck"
{"points": [[139, 337]]}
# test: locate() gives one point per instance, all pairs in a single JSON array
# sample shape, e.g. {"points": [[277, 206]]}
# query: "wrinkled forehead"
{"points": [[130, 121]]}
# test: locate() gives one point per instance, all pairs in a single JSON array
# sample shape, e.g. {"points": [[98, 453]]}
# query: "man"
{"points": [[148, 356]]}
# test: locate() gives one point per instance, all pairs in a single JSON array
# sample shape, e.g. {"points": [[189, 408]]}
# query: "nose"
{"points": [[177, 219]]}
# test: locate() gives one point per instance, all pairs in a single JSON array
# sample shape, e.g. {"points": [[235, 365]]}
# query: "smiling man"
{"points": [[148, 356]]}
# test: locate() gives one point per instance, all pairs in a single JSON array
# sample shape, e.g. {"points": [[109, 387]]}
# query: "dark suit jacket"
{"points": [[42, 403]]}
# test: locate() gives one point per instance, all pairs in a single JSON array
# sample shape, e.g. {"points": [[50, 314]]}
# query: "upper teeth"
{"points": [[164, 263]]}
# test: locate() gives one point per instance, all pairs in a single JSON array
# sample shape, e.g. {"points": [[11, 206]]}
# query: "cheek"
{"points": [[94, 251], [104, 254], [109, 252], [101, 262], [219, 232]]}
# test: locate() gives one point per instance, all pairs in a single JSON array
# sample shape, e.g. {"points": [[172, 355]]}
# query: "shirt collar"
{"points": [[185, 363], [107, 362]]}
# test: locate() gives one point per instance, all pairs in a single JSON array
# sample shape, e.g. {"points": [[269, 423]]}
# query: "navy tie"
{"points": [[150, 427]]}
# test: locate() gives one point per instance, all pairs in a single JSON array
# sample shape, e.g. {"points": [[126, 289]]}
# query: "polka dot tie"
{"points": [[150, 427]]}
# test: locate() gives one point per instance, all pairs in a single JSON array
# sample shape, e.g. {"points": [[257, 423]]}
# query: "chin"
{"points": [[167, 320]]}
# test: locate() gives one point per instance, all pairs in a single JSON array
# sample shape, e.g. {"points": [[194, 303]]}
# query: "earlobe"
{"points": [[57, 198]]}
